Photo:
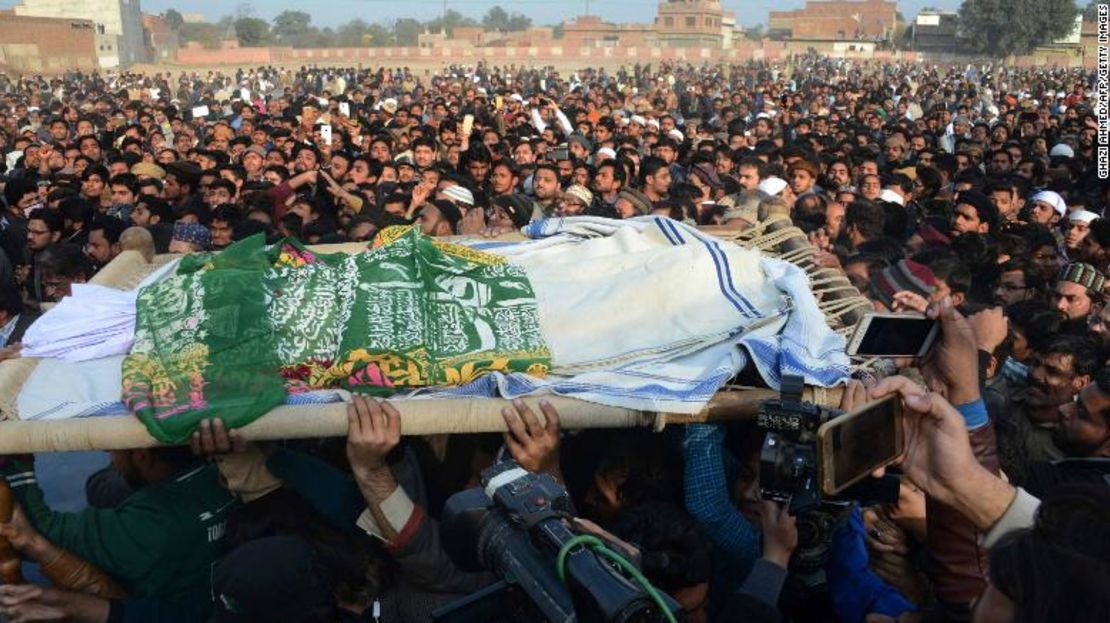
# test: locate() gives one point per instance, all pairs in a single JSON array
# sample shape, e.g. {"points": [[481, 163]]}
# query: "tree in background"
{"points": [[519, 22], [496, 19], [380, 34], [207, 34], [292, 25], [174, 19], [295, 28], [252, 31], [1004, 27], [352, 34], [406, 31], [448, 22], [499, 19], [1090, 13]]}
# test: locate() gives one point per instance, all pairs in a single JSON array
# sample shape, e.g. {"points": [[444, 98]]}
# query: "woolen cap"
{"points": [[638, 200], [459, 194], [905, 276], [580, 193], [1083, 274], [148, 169]]}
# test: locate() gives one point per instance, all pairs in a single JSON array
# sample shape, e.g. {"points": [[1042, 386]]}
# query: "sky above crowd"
{"points": [[333, 12]]}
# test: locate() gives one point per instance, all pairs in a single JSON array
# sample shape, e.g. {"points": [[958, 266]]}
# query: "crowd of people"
{"points": [[969, 193]]}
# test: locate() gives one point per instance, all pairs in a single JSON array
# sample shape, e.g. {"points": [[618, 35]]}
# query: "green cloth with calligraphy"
{"points": [[231, 335]]}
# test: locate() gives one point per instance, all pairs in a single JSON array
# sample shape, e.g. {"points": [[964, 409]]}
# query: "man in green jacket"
{"points": [[161, 542]]}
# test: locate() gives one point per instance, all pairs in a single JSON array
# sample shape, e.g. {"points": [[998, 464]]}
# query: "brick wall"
{"points": [[46, 45], [568, 52], [564, 52]]}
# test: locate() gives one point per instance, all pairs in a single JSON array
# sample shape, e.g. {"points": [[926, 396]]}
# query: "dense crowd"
{"points": [[968, 193]]}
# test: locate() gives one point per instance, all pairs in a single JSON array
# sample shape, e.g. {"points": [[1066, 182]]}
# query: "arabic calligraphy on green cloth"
{"points": [[231, 335]]}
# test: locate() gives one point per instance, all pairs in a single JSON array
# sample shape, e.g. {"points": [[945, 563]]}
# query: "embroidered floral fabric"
{"points": [[230, 335]]}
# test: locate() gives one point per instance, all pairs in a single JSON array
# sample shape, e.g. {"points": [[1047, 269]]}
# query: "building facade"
{"points": [[690, 23], [46, 45], [836, 19], [118, 22]]}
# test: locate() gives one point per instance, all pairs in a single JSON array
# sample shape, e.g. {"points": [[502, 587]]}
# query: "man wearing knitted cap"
{"points": [[631, 202], [460, 195], [575, 201], [1078, 293], [190, 238], [888, 286]]}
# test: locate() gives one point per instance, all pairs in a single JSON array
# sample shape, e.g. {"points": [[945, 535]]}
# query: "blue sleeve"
{"points": [[856, 591], [974, 414], [331, 492], [707, 496]]}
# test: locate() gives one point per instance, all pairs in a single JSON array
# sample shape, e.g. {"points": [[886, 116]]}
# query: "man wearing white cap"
{"points": [[1047, 208], [603, 154], [772, 185], [1062, 150], [459, 195], [636, 125], [1079, 225]]}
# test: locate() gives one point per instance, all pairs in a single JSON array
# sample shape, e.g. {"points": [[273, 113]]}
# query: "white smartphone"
{"points": [[325, 134], [345, 109], [467, 125], [200, 111], [893, 335]]}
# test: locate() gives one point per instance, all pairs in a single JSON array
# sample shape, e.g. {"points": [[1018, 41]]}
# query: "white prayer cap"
{"points": [[676, 135], [516, 97], [772, 185], [1062, 149], [1051, 198], [606, 152], [640, 120], [1082, 216], [892, 197], [459, 194]]}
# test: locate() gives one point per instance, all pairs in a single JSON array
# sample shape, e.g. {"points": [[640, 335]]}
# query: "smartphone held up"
{"points": [[893, 335]]}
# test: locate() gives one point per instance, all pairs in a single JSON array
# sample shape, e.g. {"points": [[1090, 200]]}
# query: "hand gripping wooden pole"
{"points": [[418, 417]]}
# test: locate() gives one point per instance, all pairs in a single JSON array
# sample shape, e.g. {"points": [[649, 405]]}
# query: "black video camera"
{"points": [[789, 474], [514, 526]]}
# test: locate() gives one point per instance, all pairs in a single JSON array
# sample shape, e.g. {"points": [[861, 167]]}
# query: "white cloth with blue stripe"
{"points": [[651, 314], [645, 313]]}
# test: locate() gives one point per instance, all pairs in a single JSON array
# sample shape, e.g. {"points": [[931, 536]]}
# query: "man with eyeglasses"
{"points": [[44, 229], [1018, 281]]}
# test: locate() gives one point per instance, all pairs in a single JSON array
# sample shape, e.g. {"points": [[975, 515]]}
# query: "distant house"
{"points": [[936, 32], [677, 24], [827, 20], [159, 39], [47, 44], [119, 26]]}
